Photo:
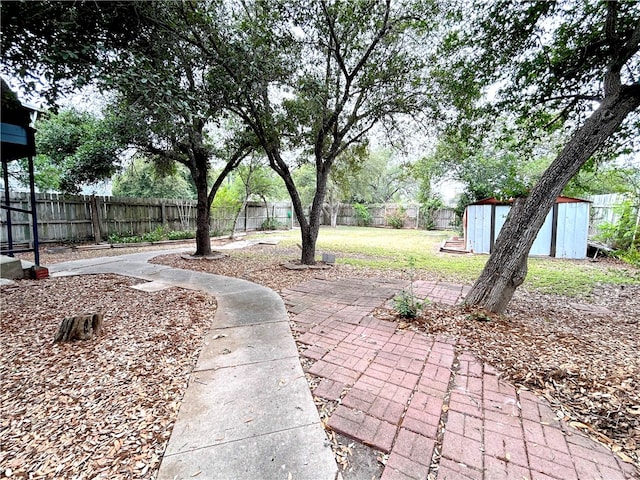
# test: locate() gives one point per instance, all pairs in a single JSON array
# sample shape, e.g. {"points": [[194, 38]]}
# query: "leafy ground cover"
{"points": [[585, 364], [103, 408]]}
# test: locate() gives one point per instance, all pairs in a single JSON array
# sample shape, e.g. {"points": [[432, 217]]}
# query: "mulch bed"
{"points": [[101, 408], [586, 365]]}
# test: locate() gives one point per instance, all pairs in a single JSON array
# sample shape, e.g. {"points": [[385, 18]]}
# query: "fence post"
{"points": [[163, 213], [637, 230], [95, 219]]}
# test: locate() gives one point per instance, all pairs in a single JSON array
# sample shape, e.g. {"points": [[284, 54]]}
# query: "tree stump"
{"points": [[80, 327]]}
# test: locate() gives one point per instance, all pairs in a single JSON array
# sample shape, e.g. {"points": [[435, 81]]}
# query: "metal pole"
{"points": [[32, 189], [7, 201]]}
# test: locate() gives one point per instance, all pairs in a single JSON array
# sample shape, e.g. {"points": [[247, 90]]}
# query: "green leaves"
{"points": [[75, 149], [142, 179], [62, 41], [542, 61]]}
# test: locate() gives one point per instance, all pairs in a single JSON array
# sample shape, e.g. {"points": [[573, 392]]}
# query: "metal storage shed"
{"points": [[563, 234]]}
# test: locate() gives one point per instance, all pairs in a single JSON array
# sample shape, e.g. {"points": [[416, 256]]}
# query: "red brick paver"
{"points": [[431, 405]]}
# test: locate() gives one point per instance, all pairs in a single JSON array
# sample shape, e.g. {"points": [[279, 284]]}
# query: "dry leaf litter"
{"points": [[103, 408], [587, 366]]}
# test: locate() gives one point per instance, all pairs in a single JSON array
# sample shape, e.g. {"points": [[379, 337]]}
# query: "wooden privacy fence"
{"points": [[414, 216], [79, 217], [64, 218]]}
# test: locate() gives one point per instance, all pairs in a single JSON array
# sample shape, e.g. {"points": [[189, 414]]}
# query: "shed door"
{"points": [[573, 229], [542, 243], [478, 228]]}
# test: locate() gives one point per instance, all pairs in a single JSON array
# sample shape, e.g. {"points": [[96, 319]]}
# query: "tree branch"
{"points": [[577, 96], [239, 155], [331, 123], [333, 39], [379, 36]]}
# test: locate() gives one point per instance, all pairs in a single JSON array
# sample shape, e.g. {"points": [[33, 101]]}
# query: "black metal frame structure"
{"points": [[18, 141]]}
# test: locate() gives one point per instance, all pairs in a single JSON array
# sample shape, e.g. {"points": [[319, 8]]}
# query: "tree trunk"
{"points": [[242, 208], [335, 208], [308, 256], [80, 327], [506, 268], [498, 285], [266, 208], [310, 234], [203, 215]]}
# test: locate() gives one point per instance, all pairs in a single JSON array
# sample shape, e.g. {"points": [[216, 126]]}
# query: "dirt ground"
{"points": [[583, 359]]}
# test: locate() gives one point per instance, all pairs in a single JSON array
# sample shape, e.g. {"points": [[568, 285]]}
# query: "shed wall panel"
{"points": [[571, 234], [542, 243], [573, 229], [478, 228]]}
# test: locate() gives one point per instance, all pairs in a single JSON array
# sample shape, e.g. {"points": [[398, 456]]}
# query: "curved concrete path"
{"points": [[248, 412]]}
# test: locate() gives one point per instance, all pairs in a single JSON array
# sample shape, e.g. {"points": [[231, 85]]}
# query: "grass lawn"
{"points": [[392, 249]]}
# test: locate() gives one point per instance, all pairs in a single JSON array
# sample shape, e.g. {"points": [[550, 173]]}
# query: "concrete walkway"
{"points": [[426, 401], [248, 412]]}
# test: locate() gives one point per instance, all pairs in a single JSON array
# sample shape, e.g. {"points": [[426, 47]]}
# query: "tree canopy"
{"points": [[141, 179], [159, 84], [312, 78], [56, 47], [74, 149]]}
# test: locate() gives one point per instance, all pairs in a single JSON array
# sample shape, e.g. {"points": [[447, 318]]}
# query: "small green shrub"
{"points": [[623, 235], [396, 219], [406, 304], [156, 235], [363, 215], [181, 235], [270, 224], [125, 237], [631, 256], [428, 210]]}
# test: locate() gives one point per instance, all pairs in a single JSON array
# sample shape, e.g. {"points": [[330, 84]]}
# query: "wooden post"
{"points": [[163, 214], [637, 230], [95, 219]]}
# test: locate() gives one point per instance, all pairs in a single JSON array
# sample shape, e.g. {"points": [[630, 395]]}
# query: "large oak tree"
{"points": [[163, 97], [568, 64], [312, 79]]}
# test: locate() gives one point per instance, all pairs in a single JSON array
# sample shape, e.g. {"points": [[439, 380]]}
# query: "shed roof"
{"points": [[16, 132], [496, 201]]}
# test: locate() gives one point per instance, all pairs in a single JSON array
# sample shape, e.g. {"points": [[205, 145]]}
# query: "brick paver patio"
{"points": [[426, 401]]}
